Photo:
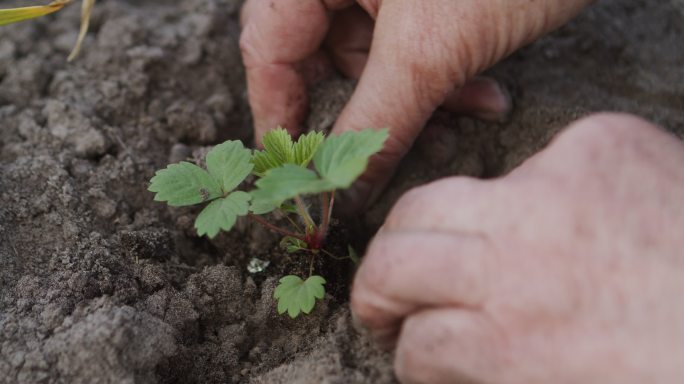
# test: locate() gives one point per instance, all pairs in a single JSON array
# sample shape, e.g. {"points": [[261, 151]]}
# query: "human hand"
{"points": [[568, 270], [423, 55]]}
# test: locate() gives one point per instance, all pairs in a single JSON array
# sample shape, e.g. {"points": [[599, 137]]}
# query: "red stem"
{"points": [[275, 228], [327, 211]]}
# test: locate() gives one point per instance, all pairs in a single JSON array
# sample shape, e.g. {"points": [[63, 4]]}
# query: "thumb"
{"points": [[401, 86], [423, 50], [452, 345]]}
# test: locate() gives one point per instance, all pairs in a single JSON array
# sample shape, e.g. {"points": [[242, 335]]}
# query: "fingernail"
{"points": [[483, 98], [356, 323], [499, 103]]}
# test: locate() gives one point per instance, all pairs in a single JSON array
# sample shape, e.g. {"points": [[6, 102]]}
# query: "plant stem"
{"points": [[327, 212], [275, 228], [294, 223], [333, 256], [304, 213], [311, 264]]}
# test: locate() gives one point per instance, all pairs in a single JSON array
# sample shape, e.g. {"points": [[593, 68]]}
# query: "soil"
{"points": [[100, 284]]}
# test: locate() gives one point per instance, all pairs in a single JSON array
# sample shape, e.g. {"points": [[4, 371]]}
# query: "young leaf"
{"points": [[295, 295], [284, 183], [341, 159], [222, 214], [279, 144], [281, 150], [8, 16], [184, 184], [305, 148], [293, 245], [229, 163], [263, 161]]}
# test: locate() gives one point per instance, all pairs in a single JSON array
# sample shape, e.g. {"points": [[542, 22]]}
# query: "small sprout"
{"points": [[293, 245], [295, 295], [283, 178]]}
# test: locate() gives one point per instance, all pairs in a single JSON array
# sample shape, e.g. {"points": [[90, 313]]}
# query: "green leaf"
{"points": [[222, 214], [262, 207], [8, 16], [184, 184], [293, 245], [278, 144], [305, 148], [280, 150], [295, 295], [284, 183], [230, 163], [289, 208], [264, 161], [341, 159]]}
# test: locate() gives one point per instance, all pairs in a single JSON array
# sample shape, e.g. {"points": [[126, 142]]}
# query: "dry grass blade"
{"points": [[86, 10], [8, 16]]}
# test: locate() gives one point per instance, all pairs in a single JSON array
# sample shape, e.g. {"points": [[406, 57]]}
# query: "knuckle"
{"points": [[412, 355], [608, 129], [247, 46], [362, 309], [408, 205], [368, 284], [449, 192]]}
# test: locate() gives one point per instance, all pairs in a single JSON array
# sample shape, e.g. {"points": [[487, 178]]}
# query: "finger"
{"points": [[315, 68], [460, 204], [276, 36], [349, 40], [404, 272], [481, 97], [449, 345], [399, 88], [602, 140], [348, 43], [414, 64]]}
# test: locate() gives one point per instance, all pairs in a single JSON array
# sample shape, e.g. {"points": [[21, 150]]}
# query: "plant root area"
{"points": [[100, 284]]}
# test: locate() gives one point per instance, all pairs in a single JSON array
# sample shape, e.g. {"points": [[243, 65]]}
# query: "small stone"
{"points": [[179, 152], [105, 208], [257, 265], [91, 144]]}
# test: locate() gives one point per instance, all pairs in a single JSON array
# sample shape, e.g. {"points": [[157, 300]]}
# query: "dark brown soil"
{"points": [[100, 284]]}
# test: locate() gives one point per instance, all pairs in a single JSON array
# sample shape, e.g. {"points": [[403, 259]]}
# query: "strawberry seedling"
{"points": [[286, 181]]}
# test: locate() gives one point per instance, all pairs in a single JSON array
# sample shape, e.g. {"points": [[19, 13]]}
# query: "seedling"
{"points": [[13, 15], [285, 183]]}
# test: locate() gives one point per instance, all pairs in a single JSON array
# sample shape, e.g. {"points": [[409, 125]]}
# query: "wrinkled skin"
{"points": [[568, 270], [410, 58]]}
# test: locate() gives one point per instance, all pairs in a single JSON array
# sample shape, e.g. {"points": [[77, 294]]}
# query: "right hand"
{"points": [[570, 269], [423, 54]]}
